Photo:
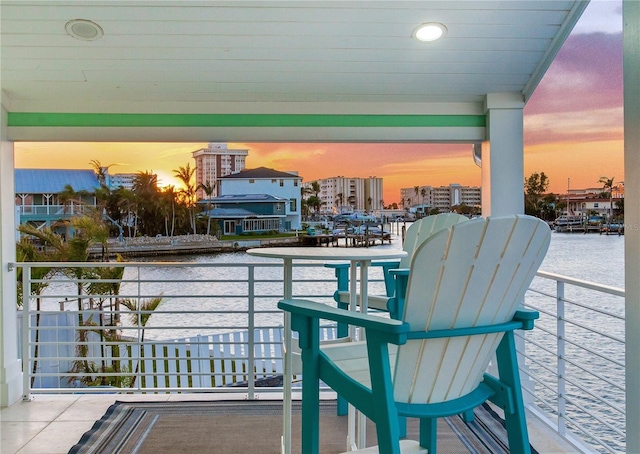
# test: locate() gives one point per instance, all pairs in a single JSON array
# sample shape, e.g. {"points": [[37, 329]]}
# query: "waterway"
{"points": [[590, 257]]}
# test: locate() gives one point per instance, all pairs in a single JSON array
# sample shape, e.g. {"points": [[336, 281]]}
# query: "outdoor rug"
{"points": [[255, 427]]}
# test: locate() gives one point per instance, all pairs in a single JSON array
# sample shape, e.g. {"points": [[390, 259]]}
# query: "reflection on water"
{"points": [[591, 257]]}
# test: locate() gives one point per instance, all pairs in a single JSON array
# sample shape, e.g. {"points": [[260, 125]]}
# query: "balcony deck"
{"points": [[52, 424]]}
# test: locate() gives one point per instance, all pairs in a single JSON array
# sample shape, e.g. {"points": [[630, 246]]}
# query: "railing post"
{"points": [[26, 332], [252, 373], [139, 331], [560, 329]]}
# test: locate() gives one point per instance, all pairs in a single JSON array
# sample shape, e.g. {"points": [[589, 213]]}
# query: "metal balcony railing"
{"points": [[576, 358], [217, 329], [92, 326], [72, 209]]}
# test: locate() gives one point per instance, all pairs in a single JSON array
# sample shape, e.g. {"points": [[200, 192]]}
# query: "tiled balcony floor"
{"points": [[52, 424]]}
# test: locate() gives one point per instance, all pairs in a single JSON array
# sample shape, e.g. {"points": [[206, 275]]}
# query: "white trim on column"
{"points": [[10, 367], [503, 155], [631, 55]]}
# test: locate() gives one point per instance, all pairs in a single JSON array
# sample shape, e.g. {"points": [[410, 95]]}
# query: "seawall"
{"points": [[184, 245]]}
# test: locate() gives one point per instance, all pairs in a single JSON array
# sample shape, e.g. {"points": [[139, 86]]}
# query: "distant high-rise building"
{"points": [[442, 198], [343, 194], [215, 162], [120, 180]]}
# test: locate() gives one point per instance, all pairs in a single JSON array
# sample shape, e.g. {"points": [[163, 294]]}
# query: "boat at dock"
{"points": [[570, 223]]}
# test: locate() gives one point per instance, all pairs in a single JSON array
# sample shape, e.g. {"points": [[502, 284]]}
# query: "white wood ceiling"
{"points": [[267, 57]]}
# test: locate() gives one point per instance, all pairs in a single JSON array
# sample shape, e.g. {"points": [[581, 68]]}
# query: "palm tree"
{"points": [[607, 186], [315, 187], [141, 310], [351, 200], [423, 193], [168, 208], [89, 231], [101, 171], [208, 188], [128, 204], [145, 197], [416, 189], [27, 252], [185, 174], [66, 197]]}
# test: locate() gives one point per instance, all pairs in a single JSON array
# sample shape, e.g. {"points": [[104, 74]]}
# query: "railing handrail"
{"points": [[616, 291]]}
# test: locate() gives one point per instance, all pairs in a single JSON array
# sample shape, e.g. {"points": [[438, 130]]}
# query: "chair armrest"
{"points": [[393, 330], [511, 325], [384, 263], [337, 265], [527, 317]]}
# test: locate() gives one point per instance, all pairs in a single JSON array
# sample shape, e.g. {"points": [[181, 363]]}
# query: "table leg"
{"points": [[353, 294], [288, 376], [353, 306], [364, 284]]}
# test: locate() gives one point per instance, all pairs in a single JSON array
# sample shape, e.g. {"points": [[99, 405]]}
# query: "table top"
{"points": [[327, 253]]}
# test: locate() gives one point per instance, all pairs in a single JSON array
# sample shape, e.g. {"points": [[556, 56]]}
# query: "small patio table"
{"points": [[361, 256]]}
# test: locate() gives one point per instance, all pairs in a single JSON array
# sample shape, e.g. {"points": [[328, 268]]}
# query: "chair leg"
{"points": [[342, 276], [429, 434], [402, 423], [310, 388], [468, 416], [508, 370], [386, 415]]}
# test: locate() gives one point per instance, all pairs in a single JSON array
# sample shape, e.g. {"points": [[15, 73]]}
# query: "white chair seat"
{"points": [[353, 359]]}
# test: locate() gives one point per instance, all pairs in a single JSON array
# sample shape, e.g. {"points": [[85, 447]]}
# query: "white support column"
{"points": [[503, 156], [10, 368], [631, 55]]}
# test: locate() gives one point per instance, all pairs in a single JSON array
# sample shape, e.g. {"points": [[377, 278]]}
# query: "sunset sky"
{"points": [[573, 129]]}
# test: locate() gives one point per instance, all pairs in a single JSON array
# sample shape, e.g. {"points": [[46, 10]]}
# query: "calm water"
{"points": [[592, 257]]}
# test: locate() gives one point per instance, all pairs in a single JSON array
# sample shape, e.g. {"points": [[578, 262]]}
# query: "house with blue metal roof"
{"points": [[39, 194], [237, 214], [270, 182]]}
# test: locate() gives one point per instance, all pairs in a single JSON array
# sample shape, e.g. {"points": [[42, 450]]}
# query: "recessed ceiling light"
{"points": [[430, 31], [83, 29]]}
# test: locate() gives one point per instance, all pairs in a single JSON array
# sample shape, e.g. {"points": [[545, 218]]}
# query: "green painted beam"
{"points": [[97, 120]]}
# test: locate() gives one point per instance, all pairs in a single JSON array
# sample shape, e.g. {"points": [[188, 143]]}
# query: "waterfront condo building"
{"points": [[343, 194], [120, 180], [443, 198], [215, 162]]}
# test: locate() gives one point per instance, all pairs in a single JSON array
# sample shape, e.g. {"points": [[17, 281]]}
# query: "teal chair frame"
{"points": [[378, 403]]}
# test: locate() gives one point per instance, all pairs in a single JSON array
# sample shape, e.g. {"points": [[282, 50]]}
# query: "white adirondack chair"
{"points": [[395, 272], [465, 285]]}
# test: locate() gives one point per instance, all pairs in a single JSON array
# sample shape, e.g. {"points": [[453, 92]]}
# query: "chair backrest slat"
{"points": [[422, 229], [471, 274]]}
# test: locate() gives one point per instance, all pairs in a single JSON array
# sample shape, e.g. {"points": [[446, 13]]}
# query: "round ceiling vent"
{"points": [[83, 29]]}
